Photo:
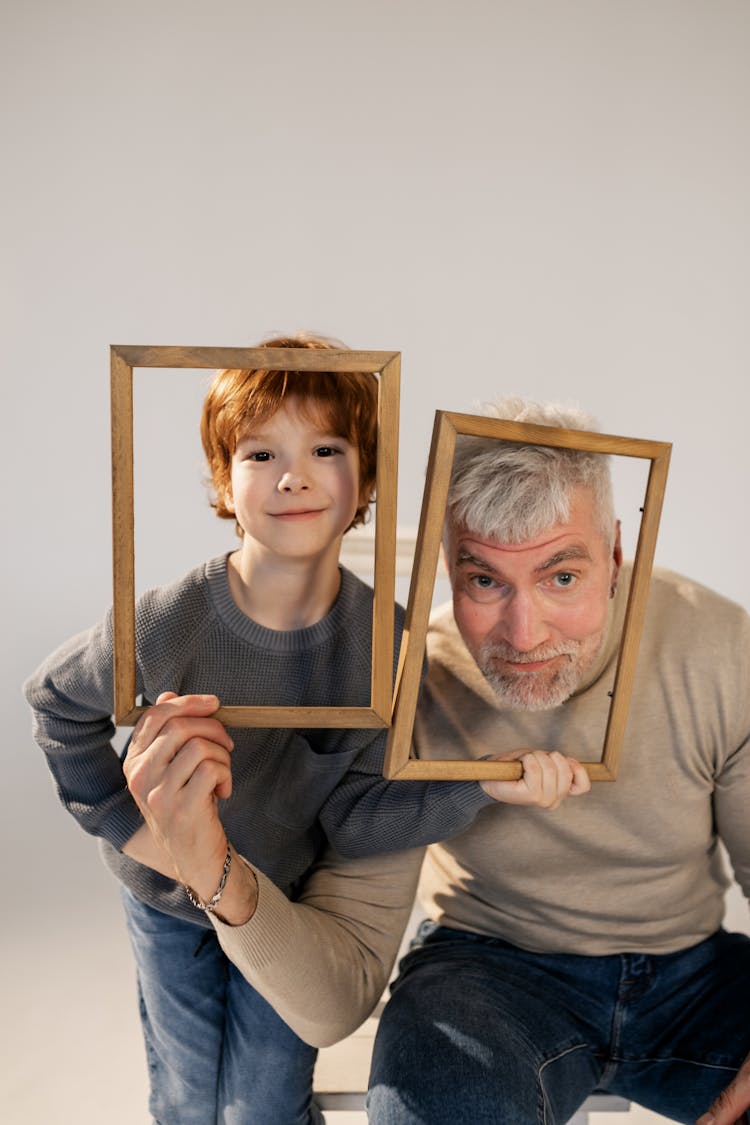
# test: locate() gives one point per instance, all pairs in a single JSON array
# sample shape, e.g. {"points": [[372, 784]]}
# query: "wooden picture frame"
{"points": [[387, 365], [448, 426]]}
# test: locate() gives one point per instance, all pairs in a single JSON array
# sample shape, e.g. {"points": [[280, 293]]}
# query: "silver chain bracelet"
{"points": [[210, 906]]}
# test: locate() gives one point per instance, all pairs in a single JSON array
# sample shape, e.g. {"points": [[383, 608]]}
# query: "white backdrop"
{"points": [[536, 196]]}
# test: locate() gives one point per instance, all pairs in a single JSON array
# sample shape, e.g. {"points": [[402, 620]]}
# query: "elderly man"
{"points": [[565, 952], [582, 951]]}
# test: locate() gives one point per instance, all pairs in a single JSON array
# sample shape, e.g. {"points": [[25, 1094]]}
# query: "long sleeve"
{"points": [[324, 960], [71, 700], [366, 815], [731, 796]]}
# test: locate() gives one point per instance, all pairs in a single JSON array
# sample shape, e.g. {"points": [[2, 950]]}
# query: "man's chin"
{"points": [[522, 693]]}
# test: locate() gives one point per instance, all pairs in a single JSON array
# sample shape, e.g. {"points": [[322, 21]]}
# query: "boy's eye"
{"points": [[259, 455], [326, 451]]}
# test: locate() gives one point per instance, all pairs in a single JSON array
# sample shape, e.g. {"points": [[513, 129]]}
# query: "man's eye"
{"points": [[483, 581], [565, 579]]}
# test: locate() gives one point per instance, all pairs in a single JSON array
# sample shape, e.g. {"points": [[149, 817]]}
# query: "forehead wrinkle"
{"points": [[466, 557]]}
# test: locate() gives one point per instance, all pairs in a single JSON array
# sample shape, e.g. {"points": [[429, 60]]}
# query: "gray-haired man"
{"points": [[582, 951]]}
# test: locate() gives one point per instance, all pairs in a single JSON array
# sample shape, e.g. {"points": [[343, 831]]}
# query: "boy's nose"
{"points": [[292, 482]]}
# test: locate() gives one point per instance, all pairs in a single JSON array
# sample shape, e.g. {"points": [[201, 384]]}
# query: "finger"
{"points": [[524, 790], [186, 807], [562, 777], [154, 718], [731, 1103], [173, 736], [146, 768], [509, 755], [529, 785], [210, 779], [545, 781], [541, 770], [188, 761], [548, 777], [581, 782]]}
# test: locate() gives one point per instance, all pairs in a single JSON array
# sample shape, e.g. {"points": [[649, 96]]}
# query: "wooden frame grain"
{"points": [[387, 365], [448, 426]]}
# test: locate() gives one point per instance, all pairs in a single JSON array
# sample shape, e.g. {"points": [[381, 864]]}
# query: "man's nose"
{"points": [[523, 625]]}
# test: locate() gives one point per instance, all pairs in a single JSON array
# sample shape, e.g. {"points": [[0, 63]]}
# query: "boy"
{"points": [[275, 622]]}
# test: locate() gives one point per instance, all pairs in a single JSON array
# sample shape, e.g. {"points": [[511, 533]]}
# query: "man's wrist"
{"points": [[202, 868], [240, 898], [210, 904]]}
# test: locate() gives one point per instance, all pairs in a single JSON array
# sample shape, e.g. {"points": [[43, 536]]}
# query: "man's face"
{"points": [[533, 614]]}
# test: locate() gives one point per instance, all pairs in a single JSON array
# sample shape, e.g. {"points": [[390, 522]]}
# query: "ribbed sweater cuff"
{"points": [[470, 797], [261, 940], [123, 821]]}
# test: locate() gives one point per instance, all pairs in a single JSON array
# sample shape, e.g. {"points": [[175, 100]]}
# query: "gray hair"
{"points": [[510, 492]]}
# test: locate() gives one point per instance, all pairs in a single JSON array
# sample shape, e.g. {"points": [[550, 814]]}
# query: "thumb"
{"points": [[190, 704], [731, 1103]]}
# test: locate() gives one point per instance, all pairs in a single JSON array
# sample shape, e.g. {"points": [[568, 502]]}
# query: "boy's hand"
{"points": [[547, 779], [177, 767]]}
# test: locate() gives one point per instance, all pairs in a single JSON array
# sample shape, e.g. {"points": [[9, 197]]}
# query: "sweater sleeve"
{"points": [[731, 795], [70, 695], [366, 814], [323, 961]]}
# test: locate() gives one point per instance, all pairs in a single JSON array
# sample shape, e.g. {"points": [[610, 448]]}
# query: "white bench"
{"points": [[597, 1103]]}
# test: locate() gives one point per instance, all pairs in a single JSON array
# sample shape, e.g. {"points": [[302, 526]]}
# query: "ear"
{"points": [[226, 499], [616, 552], [366, 494]]}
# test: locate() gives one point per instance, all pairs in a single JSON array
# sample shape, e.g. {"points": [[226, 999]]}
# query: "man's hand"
{"points": [[547, 779], [177, 767], [729, 1107]]}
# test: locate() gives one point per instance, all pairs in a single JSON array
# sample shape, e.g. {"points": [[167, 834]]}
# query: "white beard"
{"points": [[543, 689]]}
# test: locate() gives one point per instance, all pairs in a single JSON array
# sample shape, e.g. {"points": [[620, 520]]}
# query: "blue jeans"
{"points": [[480, 1031], [217, 1052]]}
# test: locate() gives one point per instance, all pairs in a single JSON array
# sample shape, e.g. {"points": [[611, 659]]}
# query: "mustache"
{"points": [[502, 651]]}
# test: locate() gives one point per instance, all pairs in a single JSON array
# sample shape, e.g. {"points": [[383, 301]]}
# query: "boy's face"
{"points": [[294, 485]]}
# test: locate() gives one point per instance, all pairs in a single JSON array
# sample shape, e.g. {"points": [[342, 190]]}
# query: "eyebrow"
{"points": [[569, 553]]}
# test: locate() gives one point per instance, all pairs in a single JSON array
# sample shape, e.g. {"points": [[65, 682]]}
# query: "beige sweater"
{"points": [[324, 960], [634, 865]]}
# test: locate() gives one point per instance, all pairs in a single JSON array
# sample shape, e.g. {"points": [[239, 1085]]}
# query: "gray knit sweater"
{"points": [[291, 788]]}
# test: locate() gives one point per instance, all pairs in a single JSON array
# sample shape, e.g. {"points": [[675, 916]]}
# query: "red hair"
{"points": [[347, 401]]}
